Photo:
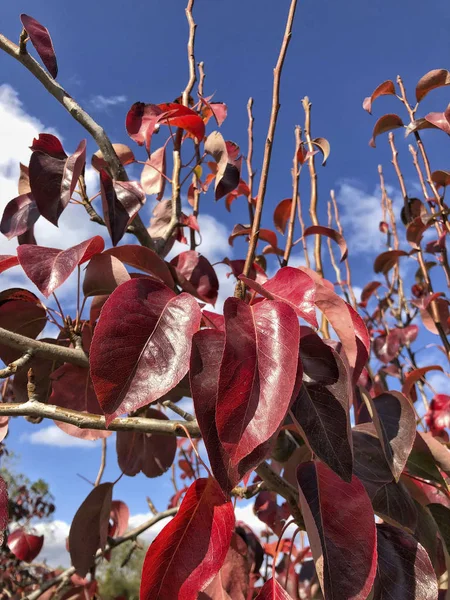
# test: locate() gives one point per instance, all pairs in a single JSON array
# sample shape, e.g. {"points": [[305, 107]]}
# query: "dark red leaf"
{"points": [[443, 314], [409, 333], [441, 120], [19, 216], [25, 546], [441, 514], [89, 529], [124, 153], [103, 274], [341, 530], [330, 233], [141, 345], [150, 453], [141, 121], [73, 389], [195, 274], [241, 190], [386, 347], [214, 320], [184, 117], [143, 259], [438, 415], [385, 261], [120, 515], [20, 312], [48, 144], [41, 40], [228, 167], [266, 235], [384, 124], [395, 422], [404, 569], [52, 179], [292, 286], [48, 268], [430, 81], [237, 266], [189, 552], [257, 373], [387, 88], [207, 351], [268, 511], [152, 177], [416, 375], [4, 517], [7, 262], [121, 201], [160, 221], [272, 590], [321, 409], [4, 423], [368, 291], [281, 214]]}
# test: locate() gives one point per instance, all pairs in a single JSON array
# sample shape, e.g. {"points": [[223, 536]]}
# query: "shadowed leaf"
{"points": [[19, 216], [41, 40], [387, 88], [430, 81], [330, 233], [385, 124]]}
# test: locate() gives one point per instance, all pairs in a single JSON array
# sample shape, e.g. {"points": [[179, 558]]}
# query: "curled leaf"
{"points": [[330, 233], [41, 40], [385, 261], [387, 88], [324, 146], [281, 214], [430, 81], [385, 124]]}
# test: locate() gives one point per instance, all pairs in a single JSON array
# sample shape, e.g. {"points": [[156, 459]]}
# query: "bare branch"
{"points": [[84, 420], [80, 115], [240, 289], [179, 411], [102, 464], [53, 352], [16, 365], [250, 171], [347, 264], [295, 200]]}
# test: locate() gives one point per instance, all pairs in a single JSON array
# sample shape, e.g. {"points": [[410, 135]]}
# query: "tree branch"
{"points": [[84, 420], [79, 114], [16, 365]]}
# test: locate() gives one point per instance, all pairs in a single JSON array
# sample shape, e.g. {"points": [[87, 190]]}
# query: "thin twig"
{"points": [[250, 172], [240, 288], [195, 179], [295, 200], [79, 114], [16, 365], [347, 264], [101, 469], [179, 411], [84, 420]]}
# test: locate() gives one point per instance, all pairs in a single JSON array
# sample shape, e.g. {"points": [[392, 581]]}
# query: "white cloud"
{"points": [[53, 436], [361, 215], [101, 102], [54, 551]]}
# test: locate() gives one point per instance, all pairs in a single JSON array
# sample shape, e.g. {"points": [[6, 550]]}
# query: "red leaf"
{"points": [[207, 352], [257, 373], [150, 453], [25, 546], [266, 235], [386, 347], [184, 117], [341, 530], [385, 261], [330, 233], [440, 120], [124, 154], [53, 179], [430, 81], [73, 389], [195, 275], [272, 590], [4, 516], [292, 286], [386, 88], [103, 274], [19, 216], [438, 415], [241, 190], [120, 515], [48, 144], [395, 422], [7, 262], [228, 166], [143, 259], [89, 529], [48, 268], [268, 511], [237, 266], [152, 180], [190, 550], [416, 375], [384, 124], [281, 214], [404, 568], [4, 422], [141, 121], [121, 201], [321, 409], [41, 40], [148, 329]]}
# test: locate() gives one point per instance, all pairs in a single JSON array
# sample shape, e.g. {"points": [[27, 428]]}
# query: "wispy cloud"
{"points": [[53, 436], [101, 102]]}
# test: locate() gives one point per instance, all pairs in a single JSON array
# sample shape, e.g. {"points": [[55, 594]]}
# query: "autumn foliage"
{"points": [[306, 398]]}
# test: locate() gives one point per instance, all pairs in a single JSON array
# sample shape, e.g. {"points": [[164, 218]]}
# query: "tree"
{"points": [[306, 399], [122, 575]]}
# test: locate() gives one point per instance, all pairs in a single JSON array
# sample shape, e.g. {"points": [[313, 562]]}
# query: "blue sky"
{"points": [[135, 51]]}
